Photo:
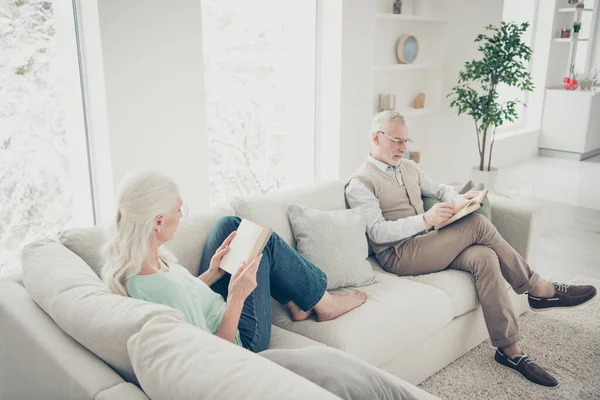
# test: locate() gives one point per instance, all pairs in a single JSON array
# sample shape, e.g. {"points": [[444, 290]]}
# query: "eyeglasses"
{"points": [[183, 210], [397, 141]]}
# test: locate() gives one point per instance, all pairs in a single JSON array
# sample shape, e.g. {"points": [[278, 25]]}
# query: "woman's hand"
{"points": [[244, 281], [214, 272], [216, 259]]}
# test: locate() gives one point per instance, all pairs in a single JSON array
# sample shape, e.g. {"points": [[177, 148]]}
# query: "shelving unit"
{"points": [[427, 23], [569, 40], [570, 124], [403, 67], [400, 17]]}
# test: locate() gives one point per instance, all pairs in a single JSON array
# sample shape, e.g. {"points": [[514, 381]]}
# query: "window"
{"points": [[518, 11], [260, 91], [45, 182]]}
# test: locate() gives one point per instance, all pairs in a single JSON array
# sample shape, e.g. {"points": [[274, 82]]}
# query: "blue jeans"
{"points": [[283, 274]]}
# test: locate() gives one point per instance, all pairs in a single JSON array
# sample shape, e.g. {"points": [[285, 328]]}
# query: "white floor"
{"points": [[576, 183], [569, 194]]}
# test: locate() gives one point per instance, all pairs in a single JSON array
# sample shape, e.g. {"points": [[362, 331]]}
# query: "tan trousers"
{"points": [[474, 245]]}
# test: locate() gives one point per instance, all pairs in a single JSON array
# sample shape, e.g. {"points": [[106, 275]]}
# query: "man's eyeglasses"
{"points": [[183, 210], [400, 142]]}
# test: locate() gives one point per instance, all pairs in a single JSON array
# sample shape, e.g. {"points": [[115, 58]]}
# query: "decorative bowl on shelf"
{"points": [[408, 49]]}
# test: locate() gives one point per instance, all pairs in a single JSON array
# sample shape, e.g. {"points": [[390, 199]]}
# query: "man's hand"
{"points": [[471, 194], [438, 213]]}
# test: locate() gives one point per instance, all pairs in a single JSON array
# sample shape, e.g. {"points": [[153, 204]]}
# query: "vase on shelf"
{"points": [[397, 6]]}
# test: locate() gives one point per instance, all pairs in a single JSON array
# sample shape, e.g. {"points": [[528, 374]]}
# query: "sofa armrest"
{"points": [[40, 361], [519, 223]]}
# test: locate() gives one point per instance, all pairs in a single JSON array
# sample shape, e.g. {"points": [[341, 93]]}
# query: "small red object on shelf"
{"points": [[570, 83]]}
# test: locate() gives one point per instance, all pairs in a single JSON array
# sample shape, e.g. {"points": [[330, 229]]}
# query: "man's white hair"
{"points": [[382, 120]]}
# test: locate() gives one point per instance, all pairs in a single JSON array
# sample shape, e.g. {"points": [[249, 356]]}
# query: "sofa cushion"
{"points": [[397, 315], [187, 245], [270, 209], [336, 242], [344, 375], [460, 285], [174, 360], [282, 339], [65, 287]]}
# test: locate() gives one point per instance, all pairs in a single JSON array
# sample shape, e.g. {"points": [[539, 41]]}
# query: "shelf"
{"points": [[415, 112], [403, 67], [573, 9], [569, 40], [402, 17]]}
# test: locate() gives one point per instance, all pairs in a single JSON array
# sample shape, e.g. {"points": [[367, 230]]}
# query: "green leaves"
{"points": [[504, 58]]}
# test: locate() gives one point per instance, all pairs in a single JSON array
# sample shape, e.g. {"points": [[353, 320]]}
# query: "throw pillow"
{"points": [[334, 241], [485, 210], [176, 360], [344, 375]]}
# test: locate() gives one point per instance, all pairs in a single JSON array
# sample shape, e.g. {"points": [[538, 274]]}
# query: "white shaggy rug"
{"points": [[564, 342]]}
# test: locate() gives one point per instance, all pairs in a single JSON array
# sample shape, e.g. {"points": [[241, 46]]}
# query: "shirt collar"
{"points": [[381, 165]]}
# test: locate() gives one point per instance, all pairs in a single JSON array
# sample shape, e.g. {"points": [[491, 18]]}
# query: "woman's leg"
{"points": [[255, 321], [295, 278]]}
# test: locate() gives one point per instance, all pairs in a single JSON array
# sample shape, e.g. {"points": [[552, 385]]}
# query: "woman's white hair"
{"points": [[383, 119], [142, 196]]}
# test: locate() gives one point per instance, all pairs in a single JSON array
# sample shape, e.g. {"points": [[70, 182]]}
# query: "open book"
{"points": [[469, 207], [249, 242]]}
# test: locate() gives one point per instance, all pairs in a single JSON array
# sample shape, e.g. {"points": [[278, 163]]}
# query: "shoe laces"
{"points": [[561, 287], [524, 358]]}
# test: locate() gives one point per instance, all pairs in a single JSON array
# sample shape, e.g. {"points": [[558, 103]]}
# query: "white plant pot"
{"points": [[488, 178]]}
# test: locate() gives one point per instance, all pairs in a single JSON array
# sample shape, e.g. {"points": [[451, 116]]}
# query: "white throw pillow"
{"points": [[176, 360], [335, 241], [67, 289]]}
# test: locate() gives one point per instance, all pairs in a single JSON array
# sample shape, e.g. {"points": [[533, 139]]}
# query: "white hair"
{"points": [[382, 120], [142, 196]]}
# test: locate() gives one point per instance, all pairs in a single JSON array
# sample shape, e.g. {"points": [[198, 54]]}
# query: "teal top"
{"points": [[179, 289]]}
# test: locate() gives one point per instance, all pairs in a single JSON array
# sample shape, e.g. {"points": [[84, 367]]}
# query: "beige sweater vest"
{"points": [[395, 200]]}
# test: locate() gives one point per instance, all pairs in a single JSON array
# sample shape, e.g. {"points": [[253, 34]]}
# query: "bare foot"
{"points": [[297, 313], [334, 305]]}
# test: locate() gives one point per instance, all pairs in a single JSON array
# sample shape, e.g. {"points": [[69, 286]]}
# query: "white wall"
{"points": [[151, 83], [344, 86], [447, 142]]}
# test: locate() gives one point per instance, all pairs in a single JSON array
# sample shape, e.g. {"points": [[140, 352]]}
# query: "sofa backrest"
{"points": [[64, 286], [270, 209], [187, 245]]}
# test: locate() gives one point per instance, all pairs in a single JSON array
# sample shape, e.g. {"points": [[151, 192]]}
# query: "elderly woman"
{"points": [[236, 308]]}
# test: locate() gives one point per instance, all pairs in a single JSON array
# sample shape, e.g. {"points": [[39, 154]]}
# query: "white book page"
{"points": [[241, 246]]}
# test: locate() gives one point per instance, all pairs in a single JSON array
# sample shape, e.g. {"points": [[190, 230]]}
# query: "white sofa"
{"points": [[57, 332]]}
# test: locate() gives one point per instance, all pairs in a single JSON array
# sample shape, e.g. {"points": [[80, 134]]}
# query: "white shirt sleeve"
{"points": [[441, 192], [379, 230]]}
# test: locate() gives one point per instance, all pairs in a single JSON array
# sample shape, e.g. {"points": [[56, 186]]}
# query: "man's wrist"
{"points": [[427, 225]]}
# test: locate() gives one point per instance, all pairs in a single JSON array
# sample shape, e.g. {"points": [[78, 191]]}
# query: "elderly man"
{"points": [[389, 189]]}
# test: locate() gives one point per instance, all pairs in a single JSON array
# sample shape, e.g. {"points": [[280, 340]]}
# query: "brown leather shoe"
{"points": [[523, 365], [565, 296]]}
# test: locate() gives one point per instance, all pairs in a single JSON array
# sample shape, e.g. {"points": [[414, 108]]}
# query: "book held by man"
{"points": [[467, 208], [249, 241]]}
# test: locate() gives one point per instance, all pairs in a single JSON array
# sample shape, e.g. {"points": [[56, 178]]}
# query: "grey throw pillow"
{"points": [[334, 241], [344, 375]]}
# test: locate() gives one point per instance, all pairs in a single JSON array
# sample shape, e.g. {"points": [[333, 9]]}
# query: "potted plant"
{"points": [[503, 62]]}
